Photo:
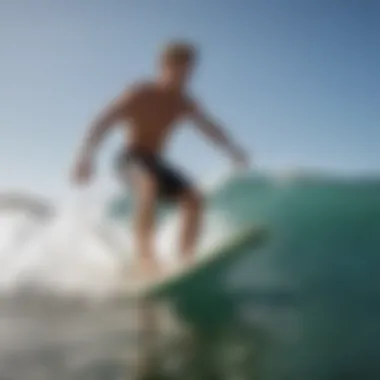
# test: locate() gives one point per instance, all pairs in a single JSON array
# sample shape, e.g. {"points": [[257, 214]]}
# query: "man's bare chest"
{"points": [[160, 111]]}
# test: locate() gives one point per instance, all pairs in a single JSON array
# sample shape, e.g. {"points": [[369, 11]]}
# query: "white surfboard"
{"points": [[218, 258]]}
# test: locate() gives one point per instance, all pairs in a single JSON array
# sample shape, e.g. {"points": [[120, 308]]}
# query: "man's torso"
{"points": [[152, 115]]}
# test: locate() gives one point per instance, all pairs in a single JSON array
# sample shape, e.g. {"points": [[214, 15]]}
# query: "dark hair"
{"points": [[179, 52]]}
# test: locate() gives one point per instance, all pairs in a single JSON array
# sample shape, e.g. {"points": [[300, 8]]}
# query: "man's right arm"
{"points": [[118, 110], [107, 119]]}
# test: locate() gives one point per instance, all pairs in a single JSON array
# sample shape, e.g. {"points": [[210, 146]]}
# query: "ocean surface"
{"points": [[306, 304]]}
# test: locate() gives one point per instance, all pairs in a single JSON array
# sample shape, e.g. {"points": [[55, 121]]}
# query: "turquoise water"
{"points": [[326, 241], [324, 254], [306, 305]]}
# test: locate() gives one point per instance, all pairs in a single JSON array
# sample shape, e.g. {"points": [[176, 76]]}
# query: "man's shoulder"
{"points": [[136, 93], [141, 87]]}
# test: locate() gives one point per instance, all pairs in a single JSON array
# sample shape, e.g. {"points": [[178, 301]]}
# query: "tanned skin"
{"points": [[148, 113]]}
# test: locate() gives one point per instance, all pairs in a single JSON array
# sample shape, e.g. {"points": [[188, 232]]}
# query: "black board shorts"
{"points": [[171, 183]]}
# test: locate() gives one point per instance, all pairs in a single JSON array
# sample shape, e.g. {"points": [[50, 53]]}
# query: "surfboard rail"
{"points": [[227, 250]]}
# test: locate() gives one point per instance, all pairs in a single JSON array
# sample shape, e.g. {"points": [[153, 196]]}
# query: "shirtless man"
{"points": [[149, 112]]}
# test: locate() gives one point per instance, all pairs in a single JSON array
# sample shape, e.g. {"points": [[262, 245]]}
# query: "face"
{"points": [[177, 73]]}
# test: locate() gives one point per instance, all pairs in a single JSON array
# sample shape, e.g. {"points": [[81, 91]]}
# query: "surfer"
{"points": [[148, 112]]}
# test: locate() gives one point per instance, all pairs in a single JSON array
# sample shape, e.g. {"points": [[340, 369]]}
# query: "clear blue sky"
{"points": [[296, 81]]}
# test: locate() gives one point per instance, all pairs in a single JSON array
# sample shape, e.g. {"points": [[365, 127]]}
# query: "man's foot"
{"points": [[180, 265], [149, 270], [188, 258]]}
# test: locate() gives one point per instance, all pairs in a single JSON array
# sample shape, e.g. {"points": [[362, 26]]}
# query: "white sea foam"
{"points": [[77, 250]]}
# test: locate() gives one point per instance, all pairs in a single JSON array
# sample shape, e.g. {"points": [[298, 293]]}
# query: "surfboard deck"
{"points": [[217, 259]]}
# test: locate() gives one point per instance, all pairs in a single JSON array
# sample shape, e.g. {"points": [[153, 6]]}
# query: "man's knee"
{"points": [[145, 208], [193, 199]]}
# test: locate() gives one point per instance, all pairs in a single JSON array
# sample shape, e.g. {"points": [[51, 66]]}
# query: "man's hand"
{"points": [[241, 158], [82, 171]]}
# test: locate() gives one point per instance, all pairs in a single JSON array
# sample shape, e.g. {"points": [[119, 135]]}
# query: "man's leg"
{"points": [[146, 196], [191, 203], [145, 187]]}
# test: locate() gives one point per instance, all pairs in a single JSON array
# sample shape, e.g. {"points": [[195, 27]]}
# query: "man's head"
{"points": [[177, 61]]}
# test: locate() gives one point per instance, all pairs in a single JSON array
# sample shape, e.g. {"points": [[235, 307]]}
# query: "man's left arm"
{"points": [[214, 131]]}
